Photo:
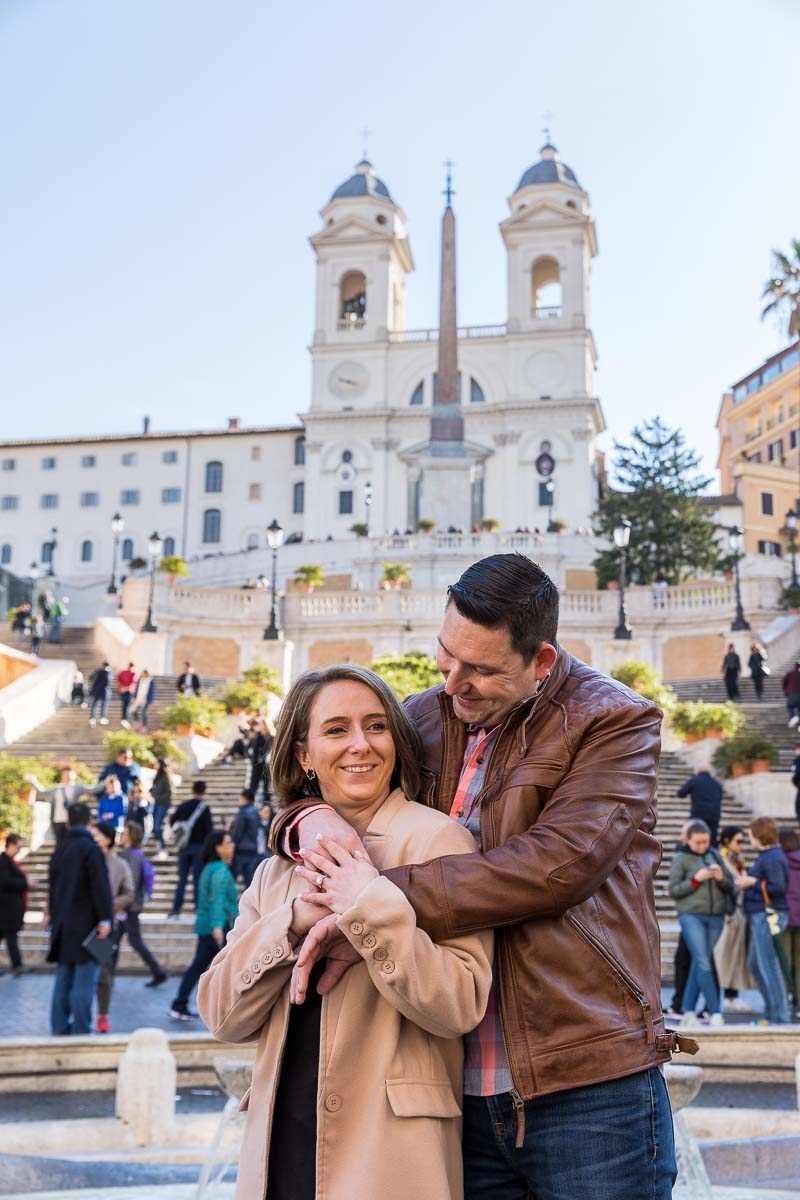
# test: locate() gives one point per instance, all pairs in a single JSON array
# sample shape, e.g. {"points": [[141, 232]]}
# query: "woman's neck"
{"points": [[359, 816]]}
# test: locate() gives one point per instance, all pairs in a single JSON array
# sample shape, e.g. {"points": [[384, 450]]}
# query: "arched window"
{"points": [[300, 451], [353, 299], [169, 547], [299, 498], [212, 525], [5, 554], [476, 395], [47, 552], [87, 551], [213, 476], [546, 288], [252, 541], [417, 395], [127, 550]]}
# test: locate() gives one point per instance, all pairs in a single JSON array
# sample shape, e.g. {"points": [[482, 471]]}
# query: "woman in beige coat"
{"points": [[356, 1094]]}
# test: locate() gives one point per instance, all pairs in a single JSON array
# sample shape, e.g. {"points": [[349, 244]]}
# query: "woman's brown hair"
{"points": [[765, 829], [289, 782]]}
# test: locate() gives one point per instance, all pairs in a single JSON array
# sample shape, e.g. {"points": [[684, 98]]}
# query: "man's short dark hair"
{"points": [[199, 788], [247, 795], [108, 831], [12, 839], [511, 591], [79, 816]]}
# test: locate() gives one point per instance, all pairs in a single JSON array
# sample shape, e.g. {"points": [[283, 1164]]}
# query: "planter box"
{"points": [[759, 766], [710, 735]]}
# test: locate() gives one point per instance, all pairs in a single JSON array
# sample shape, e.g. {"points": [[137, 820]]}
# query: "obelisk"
{"points": [[447, 421]]}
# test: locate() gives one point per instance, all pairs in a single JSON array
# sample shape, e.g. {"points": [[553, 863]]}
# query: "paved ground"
{"points": [[51, 1106]]}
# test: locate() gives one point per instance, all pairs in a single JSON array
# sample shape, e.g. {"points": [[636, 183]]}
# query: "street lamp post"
{"points": [[550, 487], [367, 504], [51, 570], [735, 541], [791, 525], [154, 547], [274, 540], [622, 536], [117, 526]]}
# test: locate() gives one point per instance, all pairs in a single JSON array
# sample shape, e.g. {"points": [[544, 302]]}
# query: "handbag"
{"points": [[180, 831]]}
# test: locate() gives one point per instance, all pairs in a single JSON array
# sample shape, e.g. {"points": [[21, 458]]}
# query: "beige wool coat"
{"points": [[391, 1057]]}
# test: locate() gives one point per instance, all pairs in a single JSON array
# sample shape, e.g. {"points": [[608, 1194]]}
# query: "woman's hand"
{"points": [[344, 876], [304, 918], [703, 874], [326, 940]]}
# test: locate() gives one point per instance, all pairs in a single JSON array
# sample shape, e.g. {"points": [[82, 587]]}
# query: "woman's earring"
{"points": [[311, 773]]}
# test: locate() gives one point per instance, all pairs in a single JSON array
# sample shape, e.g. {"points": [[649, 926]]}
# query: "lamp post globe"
{"points": [[275, 535], [736, 542], [155, 545], [791, 525], [622, 537], [367, 503], [117, 526]]}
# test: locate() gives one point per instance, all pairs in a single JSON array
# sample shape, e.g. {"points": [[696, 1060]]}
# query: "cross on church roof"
{"points": [[366, 134], [449, 190], [547, 117]]}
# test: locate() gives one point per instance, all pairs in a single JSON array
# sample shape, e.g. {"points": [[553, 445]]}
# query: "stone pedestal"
{"points": [[446, 490], [146, 1080], [692, 1183]]}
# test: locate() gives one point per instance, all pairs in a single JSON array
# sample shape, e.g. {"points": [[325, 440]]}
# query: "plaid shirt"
{"points": [[486, 1069]]}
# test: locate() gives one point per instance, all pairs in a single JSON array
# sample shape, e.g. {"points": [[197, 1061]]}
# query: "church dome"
{"points": [[364, 183], [549, 169]]}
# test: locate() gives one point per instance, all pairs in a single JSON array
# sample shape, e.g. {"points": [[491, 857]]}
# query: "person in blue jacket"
{"points": [[112, 804], [767, 910], [125, 769]]}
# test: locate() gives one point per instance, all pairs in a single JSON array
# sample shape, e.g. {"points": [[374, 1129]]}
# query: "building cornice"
{"points": [[183, 435]]}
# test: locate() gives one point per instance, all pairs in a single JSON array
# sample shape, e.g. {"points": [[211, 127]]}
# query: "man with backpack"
{"points": [[144, 878], [190, 824]]}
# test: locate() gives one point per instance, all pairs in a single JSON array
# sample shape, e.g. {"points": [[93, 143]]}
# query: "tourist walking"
{"points": [[265, 815], [13, 900], [144, 696], [122, 895], [260, 750], [188, 683], [700, 885], [791, 690], [191, 824], [126, 686], [58, 613], [706, 799], [79, 901], [244, 833], [731, 670], [161, 795], [60, 797], [554, 767], [766, 907], [38, 631], [143, 876], [22, 622], [217, 907], [124, 768], [730, 952], [790, 844], [138, 805], [757, 662], [100, 694]]}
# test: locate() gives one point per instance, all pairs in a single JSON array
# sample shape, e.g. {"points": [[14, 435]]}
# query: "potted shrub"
{"points": [[407, 673], [557, 525], [137, 564], [395, 575], [17, 794], [790, 598], [426, 525], [244, 697], [749, 754], [359, 529], [490, 524], [642, 678], [164, 746], [193, 714], [172, 565], [309, 576], [137, 743], [696, 720], [267, 678]]}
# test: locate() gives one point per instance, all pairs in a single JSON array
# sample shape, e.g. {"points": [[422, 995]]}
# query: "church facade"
{"points": [[526, 388]]}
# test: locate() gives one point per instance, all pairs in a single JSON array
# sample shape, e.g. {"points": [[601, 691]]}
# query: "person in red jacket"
{"points": [[791, 690], [126, 686]]}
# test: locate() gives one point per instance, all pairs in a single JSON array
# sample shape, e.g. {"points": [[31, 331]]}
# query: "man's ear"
{"points": [[545, 659]]}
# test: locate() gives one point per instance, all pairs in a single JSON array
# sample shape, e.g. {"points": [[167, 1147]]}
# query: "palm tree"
{"points": [[783, 290]]}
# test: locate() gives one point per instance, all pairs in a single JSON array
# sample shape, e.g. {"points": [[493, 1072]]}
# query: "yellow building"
{"points": [[759, 449]]}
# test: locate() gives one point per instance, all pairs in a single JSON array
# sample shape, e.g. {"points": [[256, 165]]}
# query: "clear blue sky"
{"points": [[164, 161]]}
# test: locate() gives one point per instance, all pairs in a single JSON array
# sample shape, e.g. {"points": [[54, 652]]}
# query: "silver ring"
{"points": [[320, 881]]}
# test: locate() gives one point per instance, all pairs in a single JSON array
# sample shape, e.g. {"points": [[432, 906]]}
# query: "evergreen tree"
{"points": [[672, 534]]}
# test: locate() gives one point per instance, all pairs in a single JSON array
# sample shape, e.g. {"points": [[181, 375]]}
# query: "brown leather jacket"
{"points": [[565, 876]]}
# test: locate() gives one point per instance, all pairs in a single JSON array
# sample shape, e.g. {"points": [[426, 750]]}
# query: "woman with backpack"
{"points": [[144, 877]]}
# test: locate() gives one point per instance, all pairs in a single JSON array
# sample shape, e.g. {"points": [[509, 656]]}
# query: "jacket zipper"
{"points": [[628, 983]]}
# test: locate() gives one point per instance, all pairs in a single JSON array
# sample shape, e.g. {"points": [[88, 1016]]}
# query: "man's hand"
{"points": [[324, 941], [218, 935], [325, 823], [745, 881], [345, 874]]}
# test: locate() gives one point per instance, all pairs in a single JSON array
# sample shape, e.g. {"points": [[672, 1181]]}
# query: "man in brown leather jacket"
{"points": [[553, 767]]}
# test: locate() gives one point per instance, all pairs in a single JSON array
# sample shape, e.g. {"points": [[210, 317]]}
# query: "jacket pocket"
{"points": [[625, 980], [422, 1098], [244, 1103]]}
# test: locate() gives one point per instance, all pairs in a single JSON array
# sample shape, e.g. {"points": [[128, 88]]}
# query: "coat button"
{"points": [[266, 958], [333, 1102], [256, 967], [380, 954], [356, 927], [278, 951], [369, 940], [388, 967], [246, 977]]}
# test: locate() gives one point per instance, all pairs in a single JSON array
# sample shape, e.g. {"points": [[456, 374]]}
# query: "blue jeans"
{"points": [[73, 993], [608, 1141], [159, 813], [205, 952], [101, 700], [245, 865], [793, 704], [190, 858], [763, 964], [55, 630], [701, 933]]}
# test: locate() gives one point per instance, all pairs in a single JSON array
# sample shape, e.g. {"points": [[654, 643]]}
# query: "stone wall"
{"points": [[210, 655]]}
